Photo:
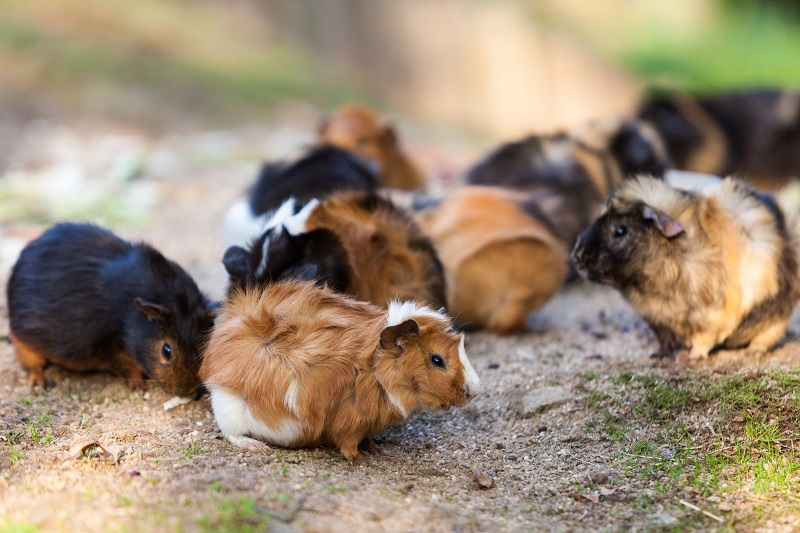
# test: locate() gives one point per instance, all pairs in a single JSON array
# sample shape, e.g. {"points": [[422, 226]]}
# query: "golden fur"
{"points": [[500, 263], [389, 256], [363, 131], [725, 275], [347, 377]]}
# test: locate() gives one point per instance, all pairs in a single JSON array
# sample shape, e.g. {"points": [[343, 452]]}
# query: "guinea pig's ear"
{"points": [[395, 338], [668, 226], [235, 261], [151, 310]]}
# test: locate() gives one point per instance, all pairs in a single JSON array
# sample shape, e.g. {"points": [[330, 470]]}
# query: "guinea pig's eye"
{"points": [[620, 231], [436, 360], [166, 352]]}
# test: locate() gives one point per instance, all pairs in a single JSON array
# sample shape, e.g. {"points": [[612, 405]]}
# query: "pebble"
{"points": [[512, 457], [725, 507], [539, 400]]}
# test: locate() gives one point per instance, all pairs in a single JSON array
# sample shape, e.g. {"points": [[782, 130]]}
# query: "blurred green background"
{"points": [[496, 67]]}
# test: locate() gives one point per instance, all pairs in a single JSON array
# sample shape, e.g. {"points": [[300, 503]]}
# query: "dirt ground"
{"points": [[532, 452]]}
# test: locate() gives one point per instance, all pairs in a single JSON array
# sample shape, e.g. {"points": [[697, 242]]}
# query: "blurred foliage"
{"points": [[750, 44], [194, 57]]}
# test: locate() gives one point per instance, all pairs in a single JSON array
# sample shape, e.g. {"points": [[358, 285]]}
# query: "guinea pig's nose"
{"points": [[470, 393]]}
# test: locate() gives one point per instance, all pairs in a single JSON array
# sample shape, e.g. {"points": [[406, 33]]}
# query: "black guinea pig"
{"points": [[82, 298], [317, 173]]}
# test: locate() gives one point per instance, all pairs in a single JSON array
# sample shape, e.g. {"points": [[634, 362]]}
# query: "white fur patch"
{"points": [[290, 398], [296, 224], [399, 312], [281, 215], [397, 404], [240, 224], [235, 420], [471, 379]]}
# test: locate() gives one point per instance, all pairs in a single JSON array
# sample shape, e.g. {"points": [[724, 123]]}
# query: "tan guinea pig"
{"points": [[362, 131], [500, 263], [717, 268], [297, 365]]}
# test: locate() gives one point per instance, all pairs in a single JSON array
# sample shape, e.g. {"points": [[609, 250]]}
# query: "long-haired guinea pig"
{"points": [[298, 365], [500, 263], [364, 132], [82, 298], [356, 242], [705, 270], [316, 173], [598, 156]]}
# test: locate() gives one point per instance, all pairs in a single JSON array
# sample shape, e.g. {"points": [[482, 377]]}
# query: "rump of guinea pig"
{"points": [[571, 174], [317, 173], [82, 298], [705, 270], [297, 365], [357, 243], [753, 133], [364, 132], [500, 263]]}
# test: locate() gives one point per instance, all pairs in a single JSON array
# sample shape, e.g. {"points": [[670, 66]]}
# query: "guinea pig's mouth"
{"points": [[446, 407]]}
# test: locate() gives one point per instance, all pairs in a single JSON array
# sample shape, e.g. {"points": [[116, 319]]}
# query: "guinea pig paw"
{"points": [[246, 443], [39, 380], [371, 447]]}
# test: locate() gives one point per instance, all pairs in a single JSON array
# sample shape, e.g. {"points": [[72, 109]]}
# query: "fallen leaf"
{"points": [[592, 497], [109, 455], [607, 492]]}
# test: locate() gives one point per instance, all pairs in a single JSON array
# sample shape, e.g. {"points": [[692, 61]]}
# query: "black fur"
{"points": [[317, 255], [71, 296], [317, 174]]}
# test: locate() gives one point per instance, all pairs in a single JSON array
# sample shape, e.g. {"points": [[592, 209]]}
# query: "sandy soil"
{"points": [[548, 469]]}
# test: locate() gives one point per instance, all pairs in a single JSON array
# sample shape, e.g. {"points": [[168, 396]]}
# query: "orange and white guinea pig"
{"points": [[500, 263], [297, 365]]}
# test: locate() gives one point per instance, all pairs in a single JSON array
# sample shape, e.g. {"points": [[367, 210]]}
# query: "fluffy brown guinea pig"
{"points": [[298, 365], [364, 132], [705, 270], [500, 263]]}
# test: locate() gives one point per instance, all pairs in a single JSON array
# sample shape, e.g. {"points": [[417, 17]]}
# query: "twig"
{"points": [[640, 456], [696, 508]]}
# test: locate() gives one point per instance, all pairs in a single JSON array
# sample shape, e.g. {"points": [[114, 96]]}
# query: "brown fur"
{"points": [[340, 357], [389, 256], [363, 131], [727, 276], [500, 263]]}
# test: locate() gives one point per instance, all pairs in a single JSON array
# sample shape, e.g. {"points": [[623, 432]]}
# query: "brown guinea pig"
{"points": [[298, 365], [82, 298], [705, 270], [500, 263], [364, 132]]}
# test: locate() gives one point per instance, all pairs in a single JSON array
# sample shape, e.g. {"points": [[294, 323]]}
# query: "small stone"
{"points": [[542, 429], [667, 454], [725, 507], [512, 457], [666, 519], [499, 445], [539, 400], [714, 499], [493, 366]]}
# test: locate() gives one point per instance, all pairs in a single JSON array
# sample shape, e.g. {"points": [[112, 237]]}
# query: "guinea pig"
{"points": [[82, 298], [754, 133], [364, 132], [296, 365], [359, 242], [317, 173], [599, 155], [500, 263], [705, 270]]}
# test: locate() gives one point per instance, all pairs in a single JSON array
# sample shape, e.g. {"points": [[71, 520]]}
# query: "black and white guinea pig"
{"points": [[317, 173]]}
